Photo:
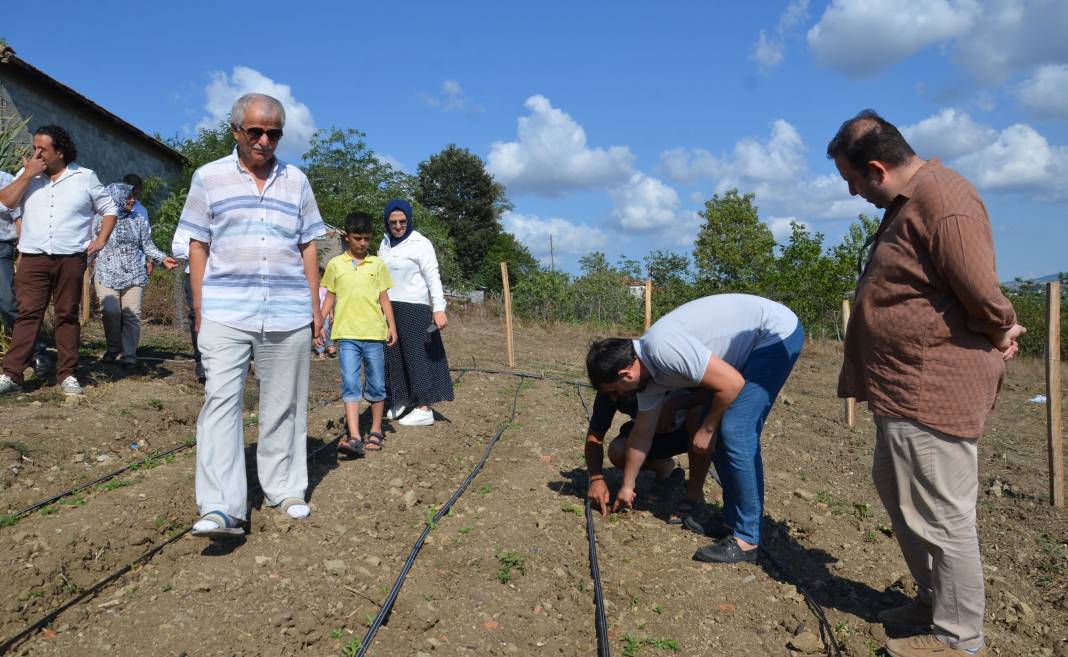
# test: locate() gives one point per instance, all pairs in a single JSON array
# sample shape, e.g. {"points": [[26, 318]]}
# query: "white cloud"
{"points": [[1014, 35], [644, 203], [394, 163], [1020, 160], [1045, 93], [769, 51], [775, 169], [224, 89], [568, 238], [452, 98], [948, 134], [551, 156], [781, 228], [863, 37]]}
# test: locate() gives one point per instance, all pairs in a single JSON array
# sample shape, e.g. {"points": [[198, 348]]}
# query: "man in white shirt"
{"points": [[58, 200]]}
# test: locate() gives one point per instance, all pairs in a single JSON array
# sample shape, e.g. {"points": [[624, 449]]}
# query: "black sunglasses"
{"points": [[254, 134]]}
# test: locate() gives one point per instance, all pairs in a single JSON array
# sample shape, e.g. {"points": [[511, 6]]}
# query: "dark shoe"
{"points": [[202, 376], [915, 613], [109, 357], [725, 551], [704, 521]]}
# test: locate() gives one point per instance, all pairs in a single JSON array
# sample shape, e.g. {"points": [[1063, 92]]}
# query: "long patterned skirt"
{"points": [[417, 370]]}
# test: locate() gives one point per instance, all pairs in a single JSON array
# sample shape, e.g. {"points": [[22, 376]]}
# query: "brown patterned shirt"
{"points": [[916, 346]]}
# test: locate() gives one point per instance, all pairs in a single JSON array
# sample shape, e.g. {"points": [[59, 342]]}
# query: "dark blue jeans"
{"points": [[737, 455], [8, 308]]}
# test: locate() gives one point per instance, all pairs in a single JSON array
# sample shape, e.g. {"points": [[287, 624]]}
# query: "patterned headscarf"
{"points": [[406, 208], [120, 193]]}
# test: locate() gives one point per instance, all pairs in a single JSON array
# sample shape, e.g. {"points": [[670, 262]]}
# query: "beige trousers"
{"points": [[928, 483], [121, 310]]}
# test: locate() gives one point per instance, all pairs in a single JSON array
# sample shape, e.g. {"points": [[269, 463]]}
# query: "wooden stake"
{"points": [[1053, 394], [648, 303], [508, 313], [85, 297], [850, 403]]}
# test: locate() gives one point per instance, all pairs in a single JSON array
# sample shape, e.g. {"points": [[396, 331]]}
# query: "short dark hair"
{"points": [[866, 137], [61, 141], [134, 180], [358, 222], [606, 358]]}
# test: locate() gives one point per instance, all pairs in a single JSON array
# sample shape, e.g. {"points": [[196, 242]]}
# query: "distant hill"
{"points": [[1041, 280]]}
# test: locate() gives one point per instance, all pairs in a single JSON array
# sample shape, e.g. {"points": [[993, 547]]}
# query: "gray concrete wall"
{"points": [[103, 146]]}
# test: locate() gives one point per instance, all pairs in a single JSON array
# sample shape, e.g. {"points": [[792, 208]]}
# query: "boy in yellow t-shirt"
{"points": [[356, 284]]}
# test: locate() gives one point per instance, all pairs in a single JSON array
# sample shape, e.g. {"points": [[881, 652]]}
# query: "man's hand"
{"points": [[703, 442], [625, 498], [1005, 341], [34, 166], [196, 324], [170, 263], [317, 325], [598, 495], [95, 246], [440, 320]]}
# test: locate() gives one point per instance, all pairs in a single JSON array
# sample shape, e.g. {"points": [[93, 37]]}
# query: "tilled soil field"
{"points": [[507, 570]]}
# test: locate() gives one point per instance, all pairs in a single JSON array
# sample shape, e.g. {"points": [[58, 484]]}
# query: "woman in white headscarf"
{"points": [[120, 276], [417, 370]]}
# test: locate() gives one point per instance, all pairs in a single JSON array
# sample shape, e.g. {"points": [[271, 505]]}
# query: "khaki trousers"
{"points": [[121, 310], [928, 483]]}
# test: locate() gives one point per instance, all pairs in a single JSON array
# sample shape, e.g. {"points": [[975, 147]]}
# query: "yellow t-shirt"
{"points": [[357, 313]]}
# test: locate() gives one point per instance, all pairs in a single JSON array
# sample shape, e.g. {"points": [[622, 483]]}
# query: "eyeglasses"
{"points": [[401, 222], [255, 134]]}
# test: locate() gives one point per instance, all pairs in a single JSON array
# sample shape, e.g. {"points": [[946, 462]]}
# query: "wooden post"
{"points": [[1053, 394], [850, 403], [85, 298], [508, 313], [648, 303]]}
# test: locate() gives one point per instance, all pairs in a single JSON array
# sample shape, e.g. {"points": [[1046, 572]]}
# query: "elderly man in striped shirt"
{"points": [[252, 221]]}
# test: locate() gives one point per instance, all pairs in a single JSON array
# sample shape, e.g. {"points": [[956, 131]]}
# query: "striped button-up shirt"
{"points": [[7, 215], [254, 279], [57, 216]]}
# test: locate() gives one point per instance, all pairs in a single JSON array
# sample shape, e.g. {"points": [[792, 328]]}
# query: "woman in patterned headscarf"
{"points": [[120, 275]]}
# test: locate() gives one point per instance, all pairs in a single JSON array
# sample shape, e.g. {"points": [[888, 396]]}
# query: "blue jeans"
{"points": [[8, 308], [737, 455], [370, 356]]}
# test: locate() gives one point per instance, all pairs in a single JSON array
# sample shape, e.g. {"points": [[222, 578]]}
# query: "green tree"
{"points": [[544, 296], [505, 248], [672, 281], [594, 263], [735, 251], [455, 186]]}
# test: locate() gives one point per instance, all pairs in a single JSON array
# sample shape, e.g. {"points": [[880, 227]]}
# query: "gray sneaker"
{"points": [[8, 385], [70, 386]]}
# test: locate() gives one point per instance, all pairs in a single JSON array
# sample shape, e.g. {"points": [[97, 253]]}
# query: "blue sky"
{"points": [[611, 123]]}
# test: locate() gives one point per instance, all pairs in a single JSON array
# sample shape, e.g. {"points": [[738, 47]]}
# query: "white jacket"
{"points": [[414, 268]]}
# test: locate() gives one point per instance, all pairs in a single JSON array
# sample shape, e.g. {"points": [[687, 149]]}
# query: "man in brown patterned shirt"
{"points": [[925, 347]]}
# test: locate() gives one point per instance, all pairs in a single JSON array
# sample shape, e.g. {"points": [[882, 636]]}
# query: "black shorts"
{"points": [[665, 445]]}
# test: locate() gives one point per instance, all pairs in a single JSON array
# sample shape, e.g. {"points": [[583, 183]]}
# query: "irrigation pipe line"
{"points": [[111, 475], [387, 606], [526, 375], [595, 568], [102, 584], [826, 631]]}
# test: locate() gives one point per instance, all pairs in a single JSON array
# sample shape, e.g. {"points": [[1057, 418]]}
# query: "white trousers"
{"points": [[282, 368], [121, 310]]}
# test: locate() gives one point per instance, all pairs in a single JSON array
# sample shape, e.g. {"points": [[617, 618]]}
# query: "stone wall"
{"points": [[105, 146]]}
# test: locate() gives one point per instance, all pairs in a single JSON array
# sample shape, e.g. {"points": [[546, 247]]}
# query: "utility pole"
{"points": [[552, 257]]}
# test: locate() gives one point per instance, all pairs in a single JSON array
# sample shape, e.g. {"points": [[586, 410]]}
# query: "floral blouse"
{"points": [[119, 264]]}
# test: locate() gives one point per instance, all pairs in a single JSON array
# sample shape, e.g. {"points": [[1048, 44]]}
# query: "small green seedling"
{"points": [[351, 648], [571, 508], [509, 561], [156, 404], [484, 490]]}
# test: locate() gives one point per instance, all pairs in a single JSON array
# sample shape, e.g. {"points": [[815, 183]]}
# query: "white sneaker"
{"points": [[418, 418], [8, 385], [70, 386], [395, 412]]}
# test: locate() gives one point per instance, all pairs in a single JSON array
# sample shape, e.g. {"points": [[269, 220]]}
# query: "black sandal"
{"points": [[373, 442], [351, 447]]}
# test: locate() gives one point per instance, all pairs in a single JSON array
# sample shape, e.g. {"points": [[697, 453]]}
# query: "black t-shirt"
{"points": [[604, 410]]}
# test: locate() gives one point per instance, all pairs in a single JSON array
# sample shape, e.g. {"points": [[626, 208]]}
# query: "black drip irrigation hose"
{"points": [[387, 606], [826, 631], [102, 584], [601, 624], [525, 375], [111, 475], [100, 480]]}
